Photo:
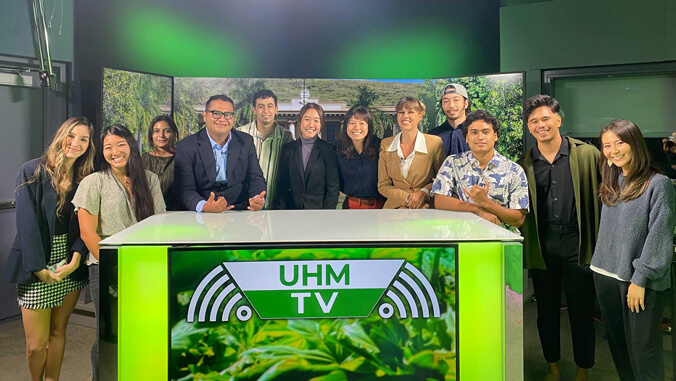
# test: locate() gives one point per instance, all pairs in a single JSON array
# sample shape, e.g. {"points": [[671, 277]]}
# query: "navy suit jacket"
{"points": [[195, 170], [35, 223]]}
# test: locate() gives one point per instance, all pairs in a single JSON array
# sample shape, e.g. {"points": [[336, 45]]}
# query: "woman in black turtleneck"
{"points": [[308, 167]]}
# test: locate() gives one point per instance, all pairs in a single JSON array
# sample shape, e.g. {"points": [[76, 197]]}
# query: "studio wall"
{"points": [[285, 39], [562, 34], [580, 33]]}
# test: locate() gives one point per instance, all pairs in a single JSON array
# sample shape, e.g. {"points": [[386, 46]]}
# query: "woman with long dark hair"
{"points": [[633, 252], [358, 161], [308, 167], [47, 252], [112, 199], [162, 138]]}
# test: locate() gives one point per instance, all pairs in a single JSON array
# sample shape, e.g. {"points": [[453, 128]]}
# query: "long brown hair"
{"points": [[641, 168], [53, 160]]}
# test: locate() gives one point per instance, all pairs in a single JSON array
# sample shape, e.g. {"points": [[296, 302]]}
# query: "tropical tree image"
{"points": [[368, 98], [187, 95], [134, 99], [242, 94], [502, 96]]}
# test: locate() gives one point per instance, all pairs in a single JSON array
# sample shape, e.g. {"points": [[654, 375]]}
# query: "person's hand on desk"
{"points": [[488, 216], [256, 202], [416, 200], [216, 205]]}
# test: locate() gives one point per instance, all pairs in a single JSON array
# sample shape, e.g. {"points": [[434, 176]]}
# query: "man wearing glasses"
{"points": [[217, 168]]}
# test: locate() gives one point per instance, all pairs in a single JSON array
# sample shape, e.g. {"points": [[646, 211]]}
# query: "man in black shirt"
{"points": [[560, 232], [454, 102]]}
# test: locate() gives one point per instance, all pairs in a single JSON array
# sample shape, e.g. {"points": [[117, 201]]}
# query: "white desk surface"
{"points": [[310, 226]]}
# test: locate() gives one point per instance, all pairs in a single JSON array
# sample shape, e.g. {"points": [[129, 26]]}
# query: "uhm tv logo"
{"points": [[313, 289]]}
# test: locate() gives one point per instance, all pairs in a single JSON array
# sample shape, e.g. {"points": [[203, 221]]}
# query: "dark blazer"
{"points": [[195, 170], [35, 221], [317, 186]]}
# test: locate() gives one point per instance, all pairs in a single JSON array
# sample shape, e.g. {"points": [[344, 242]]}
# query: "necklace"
{"points": [[125, 181]]}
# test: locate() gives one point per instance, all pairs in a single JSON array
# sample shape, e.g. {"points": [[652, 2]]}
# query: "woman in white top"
{"points": [[120, 194], [409, 160]]}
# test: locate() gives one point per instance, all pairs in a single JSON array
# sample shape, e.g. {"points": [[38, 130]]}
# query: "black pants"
{"points": [[578, 284], [635, 339], [94, 289]]}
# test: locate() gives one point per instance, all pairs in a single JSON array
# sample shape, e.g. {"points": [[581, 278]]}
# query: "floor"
{"points": [[80, 337]]}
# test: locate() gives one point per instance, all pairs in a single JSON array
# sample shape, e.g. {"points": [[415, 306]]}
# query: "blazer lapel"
{"points": [[314, 154], [206, 153], [417, 169], [49, 200], [298, 157], [234, 149]]}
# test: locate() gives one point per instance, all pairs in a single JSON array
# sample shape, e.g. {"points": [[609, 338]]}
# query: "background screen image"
{"points": [[315, 313], [133, 99]]}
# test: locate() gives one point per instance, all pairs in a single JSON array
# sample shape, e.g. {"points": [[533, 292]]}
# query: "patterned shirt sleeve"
{"points": [[518, 189], [444, 183], [88, 194]]}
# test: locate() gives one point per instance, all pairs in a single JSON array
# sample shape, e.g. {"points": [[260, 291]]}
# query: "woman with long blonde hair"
{"points": [[45, 259]]}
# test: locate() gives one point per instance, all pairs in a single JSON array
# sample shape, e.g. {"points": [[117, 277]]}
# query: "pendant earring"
{"points": [[610, 163]]}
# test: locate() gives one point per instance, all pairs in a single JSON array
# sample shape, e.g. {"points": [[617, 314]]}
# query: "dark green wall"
{"points": [[579, 33], [563, 34]]}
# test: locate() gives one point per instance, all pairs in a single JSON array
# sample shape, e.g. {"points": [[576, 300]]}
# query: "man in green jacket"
{"points": [[269, 137], [560, 232]]}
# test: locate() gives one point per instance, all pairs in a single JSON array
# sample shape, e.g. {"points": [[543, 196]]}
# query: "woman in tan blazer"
{"points": [[409, 160]]}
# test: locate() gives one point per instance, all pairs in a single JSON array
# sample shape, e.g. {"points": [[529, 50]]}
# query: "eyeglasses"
{"points": [[217, 114]]}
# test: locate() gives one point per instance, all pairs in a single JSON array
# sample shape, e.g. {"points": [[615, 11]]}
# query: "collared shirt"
{"points": [[359, 174], [267, 151], [420, 146], [508, 186], [559, 234], [221, 176], [222, 151], [554, 184], [102, 194]]}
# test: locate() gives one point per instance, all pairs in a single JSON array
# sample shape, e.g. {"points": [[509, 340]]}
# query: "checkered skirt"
{"points": [[42, 295]]}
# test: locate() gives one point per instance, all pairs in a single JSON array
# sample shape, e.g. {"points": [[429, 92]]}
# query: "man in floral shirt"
{"points": [[481, 180]]}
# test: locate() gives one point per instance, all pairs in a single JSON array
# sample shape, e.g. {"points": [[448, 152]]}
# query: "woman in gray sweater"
{"points": [[633, 252]]}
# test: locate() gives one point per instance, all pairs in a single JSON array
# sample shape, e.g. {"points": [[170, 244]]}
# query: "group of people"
{"points": [[589, 220]]}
